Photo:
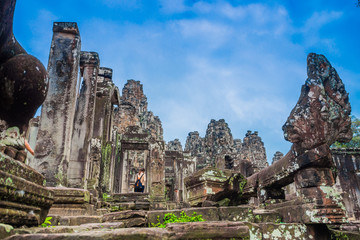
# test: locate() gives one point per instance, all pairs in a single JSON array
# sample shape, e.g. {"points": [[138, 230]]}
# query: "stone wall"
{"points": [[178, 165], [347, 162]]}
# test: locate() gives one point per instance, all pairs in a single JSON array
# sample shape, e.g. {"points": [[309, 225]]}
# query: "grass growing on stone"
{"points": [[172, 218], [47, 222]]}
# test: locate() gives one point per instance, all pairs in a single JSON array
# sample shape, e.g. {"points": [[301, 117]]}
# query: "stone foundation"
{"points": [[23, 198]]}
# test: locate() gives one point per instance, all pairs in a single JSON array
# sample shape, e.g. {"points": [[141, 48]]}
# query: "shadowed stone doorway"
{"points": [[132, 157]]}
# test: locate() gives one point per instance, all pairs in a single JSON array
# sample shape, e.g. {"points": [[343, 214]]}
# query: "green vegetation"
{"points": [[355, 142], [172, 218], [116, 209], [105, 196], [47, 222]]}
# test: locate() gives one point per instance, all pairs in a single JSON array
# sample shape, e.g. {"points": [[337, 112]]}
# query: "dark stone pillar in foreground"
{"points": [[57, 115]]}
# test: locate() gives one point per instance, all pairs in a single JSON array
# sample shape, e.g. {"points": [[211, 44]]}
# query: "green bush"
{"points": [[172, 218]]}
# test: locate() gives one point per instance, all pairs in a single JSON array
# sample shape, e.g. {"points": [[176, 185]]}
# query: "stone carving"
{"points": [[23, 77], [152, 124], [174, 145], [277, 156], [23, 85], [321, 115], [218, 138], [253, 150], [194, 143], [220, 149], [133, 93], [320, 118]]}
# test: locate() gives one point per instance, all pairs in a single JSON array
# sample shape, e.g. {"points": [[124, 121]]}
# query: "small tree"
{"points": [[355, 141]]}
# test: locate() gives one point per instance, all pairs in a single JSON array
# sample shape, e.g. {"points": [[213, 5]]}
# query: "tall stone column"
{"points": [[156, 175], [84, 120], [57, 115], [107, 95]]}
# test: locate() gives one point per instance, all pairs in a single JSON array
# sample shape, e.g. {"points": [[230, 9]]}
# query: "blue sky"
{"points": [[244, 61]]}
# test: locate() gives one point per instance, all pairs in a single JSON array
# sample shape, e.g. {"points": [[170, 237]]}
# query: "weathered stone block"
{"points": [[23, 201], [204, 183], [79, 220], [71, 202], [209, 230], [122, 215], [312, 177], [130, 197], [238, 213], [126, 233], [6, 230]]}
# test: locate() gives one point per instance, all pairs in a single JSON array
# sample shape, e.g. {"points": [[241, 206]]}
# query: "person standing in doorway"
{"points": [[140, 181]]}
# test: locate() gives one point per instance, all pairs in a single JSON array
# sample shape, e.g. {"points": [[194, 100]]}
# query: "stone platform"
{"points": [[23, 198], [131, 201], [72, 202], [204, 183]]}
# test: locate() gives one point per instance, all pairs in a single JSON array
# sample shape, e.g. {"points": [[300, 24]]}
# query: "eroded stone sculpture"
{"points": [[320, 118], [23, 85], [321, 115]]}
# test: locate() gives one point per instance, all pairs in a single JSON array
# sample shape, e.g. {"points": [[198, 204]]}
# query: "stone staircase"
{"points": [[238, 222]]}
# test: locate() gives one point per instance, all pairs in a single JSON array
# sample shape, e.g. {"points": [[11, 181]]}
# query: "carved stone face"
{"points": [[321, 115]]}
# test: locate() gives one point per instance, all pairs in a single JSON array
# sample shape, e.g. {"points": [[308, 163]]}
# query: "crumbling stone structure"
{"points": [[23, 85], [112, 136], [253, 150], [52, 151], [178, 165], [347, 165], [93, 138], [83, 120], [218, 148], [277, 156]]}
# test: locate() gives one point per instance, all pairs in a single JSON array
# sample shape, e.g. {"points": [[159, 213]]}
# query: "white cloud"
{"points": [[312, 27], [225, 61]]}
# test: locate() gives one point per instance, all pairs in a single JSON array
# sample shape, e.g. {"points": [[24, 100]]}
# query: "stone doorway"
{"points": [[131, 158]]}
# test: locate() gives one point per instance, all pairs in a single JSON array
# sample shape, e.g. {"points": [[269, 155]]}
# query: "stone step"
{"points": [[136, 218], [103, 234], [74, 220], [266, 216], [70, 229], [193, 230], [130, 197]]}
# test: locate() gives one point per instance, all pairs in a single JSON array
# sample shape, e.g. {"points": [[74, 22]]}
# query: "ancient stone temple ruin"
{"points": [[91, 136], [91, 139], [218, 148]]}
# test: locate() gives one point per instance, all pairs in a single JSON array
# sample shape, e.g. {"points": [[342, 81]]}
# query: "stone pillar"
{"points": [[104, 84], [157, 174], [107, 95], [57, 114], [84, 120]]}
